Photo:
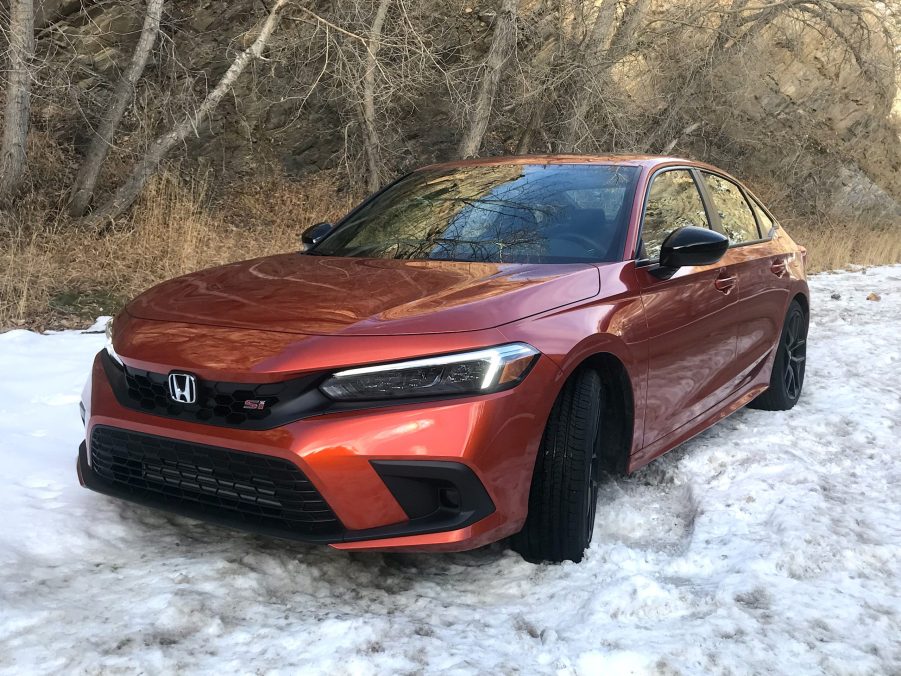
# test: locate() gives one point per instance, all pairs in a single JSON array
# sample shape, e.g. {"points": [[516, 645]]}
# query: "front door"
{"points": [[691, 316], [759, 260]]}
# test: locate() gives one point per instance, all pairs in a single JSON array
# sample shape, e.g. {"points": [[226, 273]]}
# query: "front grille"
{"points": [[251, 488], [253, 406], [221, 402]]}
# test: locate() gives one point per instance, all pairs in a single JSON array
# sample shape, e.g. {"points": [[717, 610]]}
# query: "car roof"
{"points": [[649, 161]]}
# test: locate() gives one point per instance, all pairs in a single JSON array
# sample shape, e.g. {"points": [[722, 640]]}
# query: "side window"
{"points": [[735, 214], [673, 202], [764, 221]]}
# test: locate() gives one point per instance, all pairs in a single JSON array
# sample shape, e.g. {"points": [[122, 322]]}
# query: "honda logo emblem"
{"points": [[183, 388]]}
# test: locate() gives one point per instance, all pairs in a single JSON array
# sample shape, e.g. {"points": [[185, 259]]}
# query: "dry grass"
{"points": [[833, 246], [54, 274]]}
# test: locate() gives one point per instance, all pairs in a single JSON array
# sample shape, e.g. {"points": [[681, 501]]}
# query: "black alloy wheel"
{"points": [[787, 379]]}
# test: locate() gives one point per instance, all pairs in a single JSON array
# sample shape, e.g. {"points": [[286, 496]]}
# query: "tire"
{"points": [[787, 378], [564, 494]]}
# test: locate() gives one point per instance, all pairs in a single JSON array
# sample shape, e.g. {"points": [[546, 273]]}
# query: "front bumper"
{"points": [[444, 476], [410, 481]]}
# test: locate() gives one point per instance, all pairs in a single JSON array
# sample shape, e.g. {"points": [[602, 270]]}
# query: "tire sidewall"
{"points": [[779, 364]]}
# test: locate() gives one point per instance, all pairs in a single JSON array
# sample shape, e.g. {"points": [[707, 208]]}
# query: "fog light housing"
{"points": [[436, 495], [449, 498]]}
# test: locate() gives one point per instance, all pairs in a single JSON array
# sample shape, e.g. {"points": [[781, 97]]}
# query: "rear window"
{"points": [[764, 221], [735, 215], [507, 213]]}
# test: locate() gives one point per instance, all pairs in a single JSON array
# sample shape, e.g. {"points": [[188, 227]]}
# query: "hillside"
{"points": [[795, 97]]}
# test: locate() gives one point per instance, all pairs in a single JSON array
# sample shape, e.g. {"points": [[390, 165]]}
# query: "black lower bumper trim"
{"points": [[437, 495], [449, 479], [90, 479]]}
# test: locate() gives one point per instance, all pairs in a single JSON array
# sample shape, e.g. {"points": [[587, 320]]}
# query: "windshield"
{"points": [[507, 213]]}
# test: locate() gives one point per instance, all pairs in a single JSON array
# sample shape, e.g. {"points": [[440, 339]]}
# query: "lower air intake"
{"points": [[247, 487]]}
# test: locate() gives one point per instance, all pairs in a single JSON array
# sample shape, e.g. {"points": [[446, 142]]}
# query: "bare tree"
{"points": [[593, 50], [371, 142], [502, 44], [86, 180], [18, 97], [538, 76], [847, 28], [125, 196], [373, 61], [627, 32], [610, 40]]}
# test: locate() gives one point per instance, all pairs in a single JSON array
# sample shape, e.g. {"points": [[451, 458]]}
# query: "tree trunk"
{"points": [[598, 44], [371, 143], [86, 181], [18, 97], [536, 115], [546, 64], [624, 39], [502, 43], [149, 164], [730, 23]]}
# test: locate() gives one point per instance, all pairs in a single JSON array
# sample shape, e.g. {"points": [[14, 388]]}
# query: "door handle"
{"points": [[725, 282], [778, 267]]}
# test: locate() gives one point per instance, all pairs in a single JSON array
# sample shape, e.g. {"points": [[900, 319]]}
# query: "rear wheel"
{"points": [[787, 378], [564, 494]]}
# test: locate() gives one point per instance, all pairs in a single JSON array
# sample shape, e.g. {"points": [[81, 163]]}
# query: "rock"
{"points": [[874, 296], [853, 193], [48, 11], [202, 19], [836, 296]]}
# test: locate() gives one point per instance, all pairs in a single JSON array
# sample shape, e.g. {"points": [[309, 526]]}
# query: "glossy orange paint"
{"points": [[692, 352]]}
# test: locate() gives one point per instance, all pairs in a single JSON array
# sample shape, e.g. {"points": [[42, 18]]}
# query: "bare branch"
{"points": [[373, 157], [160, 147], [83, 190]]}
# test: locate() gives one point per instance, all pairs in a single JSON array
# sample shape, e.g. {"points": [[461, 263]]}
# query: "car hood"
{"points": [[319, 295]]}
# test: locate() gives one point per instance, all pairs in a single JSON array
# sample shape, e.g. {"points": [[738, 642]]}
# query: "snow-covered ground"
{"points": [[769, 544]]}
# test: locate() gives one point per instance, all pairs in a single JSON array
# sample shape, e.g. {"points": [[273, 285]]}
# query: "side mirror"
{"points": [[314, 234], [691, 246]]}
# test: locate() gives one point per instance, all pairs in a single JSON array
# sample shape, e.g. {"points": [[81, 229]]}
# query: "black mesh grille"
{"points": [[224, 402], [255, 489], [253, 406]]}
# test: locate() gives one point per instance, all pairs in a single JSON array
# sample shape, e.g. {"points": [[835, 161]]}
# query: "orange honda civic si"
{"points": [[461, 359]]}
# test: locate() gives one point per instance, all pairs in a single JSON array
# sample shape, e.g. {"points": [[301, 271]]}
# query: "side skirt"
{"points": [[693, 427]]}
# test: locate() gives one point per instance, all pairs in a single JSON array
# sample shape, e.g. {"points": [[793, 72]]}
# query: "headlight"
{"points": [[109, 343], [478, 372]]}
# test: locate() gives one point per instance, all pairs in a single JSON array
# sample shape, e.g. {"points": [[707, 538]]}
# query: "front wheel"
{"points": [[787, 378], [564, 494]]}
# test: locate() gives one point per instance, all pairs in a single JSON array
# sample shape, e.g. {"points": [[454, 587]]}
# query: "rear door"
{"points": [[691, 316], [759, 263]]}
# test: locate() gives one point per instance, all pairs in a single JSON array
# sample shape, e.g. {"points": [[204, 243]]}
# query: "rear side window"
{"points": [[735, 214], [673, 202], [764, 221]]}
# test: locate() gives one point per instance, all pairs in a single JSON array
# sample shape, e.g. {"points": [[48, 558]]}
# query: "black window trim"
{"points": [[748, 197], [692, 171]]}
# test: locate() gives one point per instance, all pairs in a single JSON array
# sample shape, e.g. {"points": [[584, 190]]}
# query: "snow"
{"points": [[770, 543]]}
